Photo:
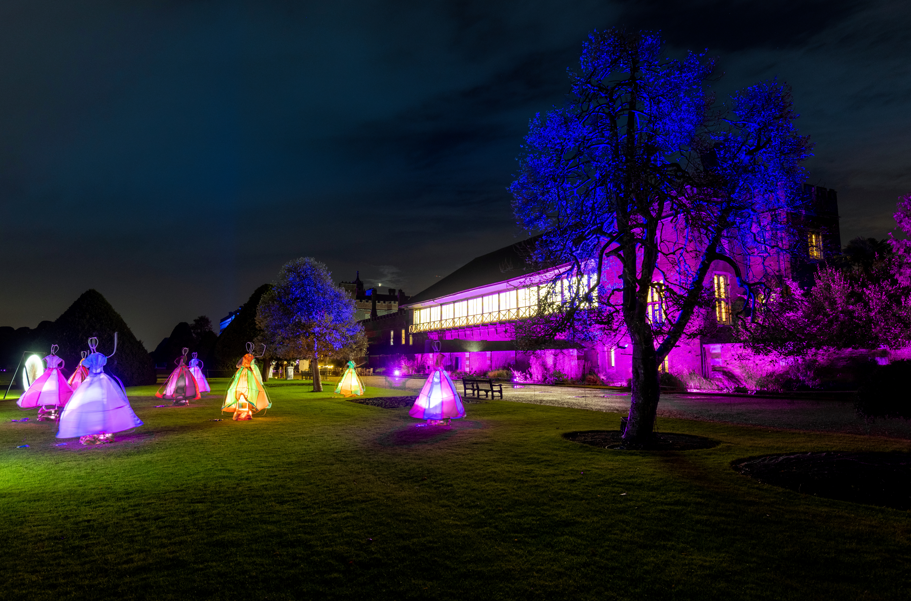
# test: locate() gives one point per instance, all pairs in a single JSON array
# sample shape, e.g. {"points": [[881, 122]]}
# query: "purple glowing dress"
{"points": [[181, 385], [196, 369], [50, 389], [99, 405], [439, 400]]}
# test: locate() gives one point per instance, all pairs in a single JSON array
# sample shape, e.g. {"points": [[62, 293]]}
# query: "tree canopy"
{"points": [[305, 315]]}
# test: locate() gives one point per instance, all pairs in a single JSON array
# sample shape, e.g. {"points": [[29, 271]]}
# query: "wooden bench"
{"points": [[473, 388]]}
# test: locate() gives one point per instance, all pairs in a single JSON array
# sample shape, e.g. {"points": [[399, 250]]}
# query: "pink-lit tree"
{"points": [[862, 301], [902, 247]]}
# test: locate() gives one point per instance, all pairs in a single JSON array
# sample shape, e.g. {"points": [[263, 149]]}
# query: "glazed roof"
{"points": [[507, 263]]}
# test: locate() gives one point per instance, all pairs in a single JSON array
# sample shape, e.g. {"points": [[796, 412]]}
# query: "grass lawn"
{"points": [[327, 499]]}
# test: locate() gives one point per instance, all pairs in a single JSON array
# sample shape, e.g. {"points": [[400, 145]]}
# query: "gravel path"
{"points": [[797, 414]]}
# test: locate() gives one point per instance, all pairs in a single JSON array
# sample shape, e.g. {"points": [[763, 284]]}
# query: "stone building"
{"points": [[373, 302]]}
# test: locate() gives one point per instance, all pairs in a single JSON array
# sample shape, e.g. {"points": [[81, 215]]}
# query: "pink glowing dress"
{"points": [[196, 369], [439, 399], [99, 405], [79, 375], [50, 389], [180, 384]]}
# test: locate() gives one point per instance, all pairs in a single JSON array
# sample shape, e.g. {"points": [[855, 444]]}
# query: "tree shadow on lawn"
{"points": [[660, 441], [414, 434]]}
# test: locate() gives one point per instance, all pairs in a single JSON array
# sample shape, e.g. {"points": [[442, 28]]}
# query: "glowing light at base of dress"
{"points": [[102, 438], [435, 423], [47, 415], [243, 412]]}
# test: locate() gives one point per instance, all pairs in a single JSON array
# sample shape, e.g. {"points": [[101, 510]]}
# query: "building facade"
{"points": [[466, 320]]}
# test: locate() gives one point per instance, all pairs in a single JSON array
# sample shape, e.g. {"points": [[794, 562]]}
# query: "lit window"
{"points": [[815, 244], [391, 337], [403, 336], [435, 313], [447, 311], [507, 300], [528, 297], [474, 306], [490, 304], [722, 299], [410, 339], [460, 309], [613, 357], [656, 303]]}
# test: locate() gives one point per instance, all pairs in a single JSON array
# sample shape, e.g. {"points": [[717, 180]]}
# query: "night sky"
{"points": [[173, 155]]}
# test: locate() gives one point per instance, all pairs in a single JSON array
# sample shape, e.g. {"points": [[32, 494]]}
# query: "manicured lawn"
{"points": [[326, 499]]}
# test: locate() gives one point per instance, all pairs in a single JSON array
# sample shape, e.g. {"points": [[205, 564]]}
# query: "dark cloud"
{"points": [[175, 155], [735, 26]]}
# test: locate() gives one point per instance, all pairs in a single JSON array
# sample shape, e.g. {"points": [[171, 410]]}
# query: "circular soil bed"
{"points": [[882, 479], [387, 402], [396, 402], [664, 441]]}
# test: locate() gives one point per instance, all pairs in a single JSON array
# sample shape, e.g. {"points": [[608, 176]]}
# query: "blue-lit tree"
{"points": [[641, 175], [305, 315]]}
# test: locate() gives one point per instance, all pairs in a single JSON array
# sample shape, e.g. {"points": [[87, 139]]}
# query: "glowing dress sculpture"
{"points": [[180, 385], [99, 407], [196, 370], [49, 390], [79, 375], [439, 400], [350, 384], [247, 394]]}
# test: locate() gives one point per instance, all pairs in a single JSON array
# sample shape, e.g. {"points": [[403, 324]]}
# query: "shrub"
{"points": [[669, 380], [592, 380], [500, 374], [885, 393], [555, 377]]}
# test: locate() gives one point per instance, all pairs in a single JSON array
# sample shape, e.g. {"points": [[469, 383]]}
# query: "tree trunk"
{"points": [[314, 370], [646, 392], [267, 369]]}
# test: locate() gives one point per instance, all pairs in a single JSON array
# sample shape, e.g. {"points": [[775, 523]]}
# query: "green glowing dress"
{"points": [[246, 394]]}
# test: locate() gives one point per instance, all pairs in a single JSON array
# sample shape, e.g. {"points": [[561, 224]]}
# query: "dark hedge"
{"points": [[231, 344], [92, 315]]}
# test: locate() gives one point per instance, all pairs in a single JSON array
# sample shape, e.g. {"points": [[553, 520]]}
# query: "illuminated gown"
{"points": [[246, 394], [99, 405], [79, 375], [181, 384], [350, 384], [439, 400], [196, 370], [50, 389]]}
